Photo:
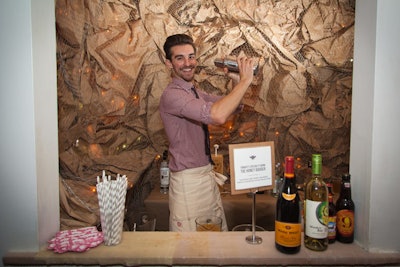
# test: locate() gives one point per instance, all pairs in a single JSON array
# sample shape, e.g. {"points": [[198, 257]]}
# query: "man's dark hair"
{"points": [[177, 39]]}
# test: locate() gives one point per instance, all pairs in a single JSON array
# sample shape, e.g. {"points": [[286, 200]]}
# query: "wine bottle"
{"points": [[287, 221], [278, 180], [332, 216], [345, 212], [316, 210]]}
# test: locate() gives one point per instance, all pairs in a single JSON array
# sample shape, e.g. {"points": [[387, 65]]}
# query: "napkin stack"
{"points": [[78, 240]]}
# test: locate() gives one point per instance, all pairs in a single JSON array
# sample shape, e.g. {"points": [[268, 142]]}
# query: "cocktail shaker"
{"points": [[231, 64]]}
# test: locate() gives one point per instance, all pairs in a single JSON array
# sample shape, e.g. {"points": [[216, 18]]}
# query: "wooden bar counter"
{"points": [[206, 248], [202, 248], [238, 209]]}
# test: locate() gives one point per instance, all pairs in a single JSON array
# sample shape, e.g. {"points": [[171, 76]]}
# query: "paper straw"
{"points": [[112, 196]]}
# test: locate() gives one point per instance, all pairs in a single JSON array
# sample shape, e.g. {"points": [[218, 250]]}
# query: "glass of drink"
{"points": [[144, 221], [208, 223]]}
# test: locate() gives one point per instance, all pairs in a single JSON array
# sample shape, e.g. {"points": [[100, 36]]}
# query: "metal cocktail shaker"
{"points": [[231, 64]]}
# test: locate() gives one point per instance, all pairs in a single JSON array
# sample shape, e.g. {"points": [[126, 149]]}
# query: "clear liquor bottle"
{"points": [[164, 174]]}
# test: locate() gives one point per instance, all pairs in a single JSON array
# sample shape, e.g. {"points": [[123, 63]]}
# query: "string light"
{"points": [[121, 105], [90, 129], [298, 165], [95, 150], [138, 140], [135, 99], [115, 77]]}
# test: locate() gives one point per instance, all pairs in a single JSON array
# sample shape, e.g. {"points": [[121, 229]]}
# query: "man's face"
{"points": [[183, 61]]}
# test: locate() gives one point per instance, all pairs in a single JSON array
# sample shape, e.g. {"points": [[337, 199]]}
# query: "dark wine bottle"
{"points": [[288, 221], [345, 212], [316, 209], [332, 216]]}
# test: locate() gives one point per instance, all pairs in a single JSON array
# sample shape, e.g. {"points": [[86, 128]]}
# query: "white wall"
{"points": [[46, 119], [18, 166], [28, 146], [29, 209], [385, 178], [362, 114], [375, 128]]}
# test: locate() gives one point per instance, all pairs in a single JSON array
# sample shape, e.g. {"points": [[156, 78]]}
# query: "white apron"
{"points": [[192, 193]]}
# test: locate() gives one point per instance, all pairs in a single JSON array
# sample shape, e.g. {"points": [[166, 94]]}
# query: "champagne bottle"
{"points": [[316, 209], [288, 222], [332, 216], [345, 212]]}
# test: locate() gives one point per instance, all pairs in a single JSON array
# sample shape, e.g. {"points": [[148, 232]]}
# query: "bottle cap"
{"points": [[316, 158], [330, 186], [316, 163], [289, 165], [165, 154], [346, 176]]}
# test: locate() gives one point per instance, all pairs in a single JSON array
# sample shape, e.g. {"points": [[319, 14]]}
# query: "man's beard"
{"points": [[187, 76]]}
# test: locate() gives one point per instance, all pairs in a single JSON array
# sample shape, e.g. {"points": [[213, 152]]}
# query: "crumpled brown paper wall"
{"points": [[111, 74]]}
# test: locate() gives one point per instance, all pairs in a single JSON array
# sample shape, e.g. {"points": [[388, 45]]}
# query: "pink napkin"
{"points": [[78, 240]]}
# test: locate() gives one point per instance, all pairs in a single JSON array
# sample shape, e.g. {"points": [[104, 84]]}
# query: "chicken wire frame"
{"points": [[89, 67]]}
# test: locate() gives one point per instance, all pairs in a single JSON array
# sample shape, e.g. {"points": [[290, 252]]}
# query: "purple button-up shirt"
{"points": [[183, 115]]}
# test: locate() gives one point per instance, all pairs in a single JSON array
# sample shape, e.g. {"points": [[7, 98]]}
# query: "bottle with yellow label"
{"points": [[345, 212], [287, 220]]}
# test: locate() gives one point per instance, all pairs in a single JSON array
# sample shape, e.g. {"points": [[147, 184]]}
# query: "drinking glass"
{"points": [[208, 223]]}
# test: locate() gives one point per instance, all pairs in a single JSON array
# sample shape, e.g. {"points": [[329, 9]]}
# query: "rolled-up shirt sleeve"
{"points": [[183, 103]]}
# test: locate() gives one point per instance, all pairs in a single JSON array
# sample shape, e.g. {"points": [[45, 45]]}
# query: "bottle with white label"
{"points": [[316, 209], [164, 174]]}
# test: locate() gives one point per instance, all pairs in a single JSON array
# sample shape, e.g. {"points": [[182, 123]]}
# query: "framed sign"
{"points": [[252, 167]]}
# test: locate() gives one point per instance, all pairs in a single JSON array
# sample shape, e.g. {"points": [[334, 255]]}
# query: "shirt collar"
{"points": [[187, 86]]}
